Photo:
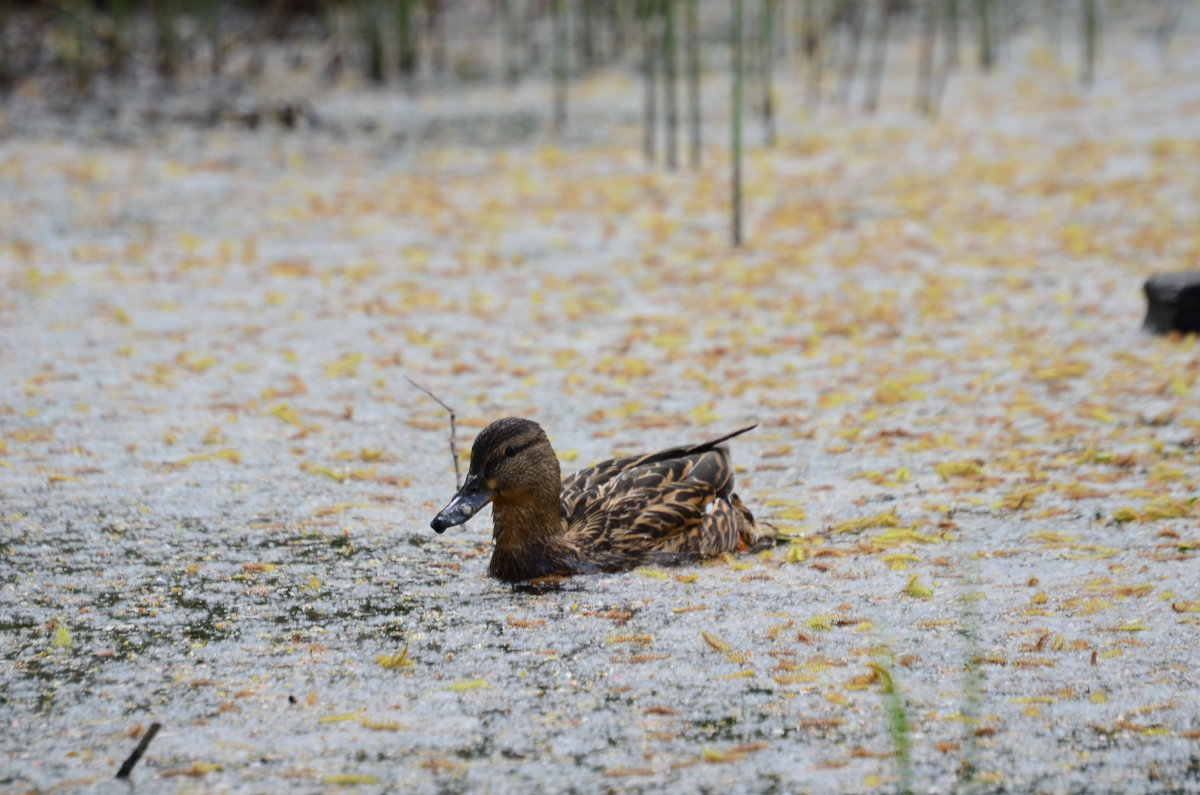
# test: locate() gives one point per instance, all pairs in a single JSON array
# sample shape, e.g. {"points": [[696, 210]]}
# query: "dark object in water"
{"points": [[127, 768], [1173, 302]]}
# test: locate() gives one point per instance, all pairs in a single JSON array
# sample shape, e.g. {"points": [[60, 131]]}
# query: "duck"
{"points": [[671, 506]]}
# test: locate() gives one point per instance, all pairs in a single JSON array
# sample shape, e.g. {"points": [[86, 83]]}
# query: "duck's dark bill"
{"points": [[470, 499]]}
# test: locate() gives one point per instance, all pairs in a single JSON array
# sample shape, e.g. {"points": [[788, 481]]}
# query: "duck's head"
{"points": [[511, 461]]}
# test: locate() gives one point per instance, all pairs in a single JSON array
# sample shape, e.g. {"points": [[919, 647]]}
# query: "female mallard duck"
{"points": [[673, 505]]}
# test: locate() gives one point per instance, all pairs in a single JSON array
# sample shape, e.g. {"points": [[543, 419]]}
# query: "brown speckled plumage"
{"points": [[673, 505]]}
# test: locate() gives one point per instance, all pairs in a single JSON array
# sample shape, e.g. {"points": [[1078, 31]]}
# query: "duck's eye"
{"points": [[510, 451]]}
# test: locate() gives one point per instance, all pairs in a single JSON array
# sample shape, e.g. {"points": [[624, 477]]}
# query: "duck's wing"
{"points": [[582, 486], [667, 505]]}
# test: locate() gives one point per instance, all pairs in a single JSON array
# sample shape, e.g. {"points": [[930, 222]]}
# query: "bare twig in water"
{"points": [[453, 432], [127, 768]]}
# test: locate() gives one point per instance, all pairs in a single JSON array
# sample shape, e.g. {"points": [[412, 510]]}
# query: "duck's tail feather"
{"points": [[711, 443]]}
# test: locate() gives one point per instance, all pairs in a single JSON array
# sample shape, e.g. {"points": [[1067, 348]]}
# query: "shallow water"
{"points": [[216, 484]]}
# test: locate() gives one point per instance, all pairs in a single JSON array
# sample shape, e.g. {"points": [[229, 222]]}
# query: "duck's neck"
{"points": [[528, 533]]}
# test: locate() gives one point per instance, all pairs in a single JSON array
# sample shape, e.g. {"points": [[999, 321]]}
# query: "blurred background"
{"points": [[299, 62]]}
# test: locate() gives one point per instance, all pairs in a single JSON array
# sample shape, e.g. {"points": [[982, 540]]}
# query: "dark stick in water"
{"points": [[127, 768]]}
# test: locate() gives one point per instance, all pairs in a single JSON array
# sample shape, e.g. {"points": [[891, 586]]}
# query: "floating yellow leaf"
{"points": [[901, 535], [390, 661], [652, 573], [281, 412], [796, 554], [916, 589], [461, 685], [344, 367], [744, 674], [338, 717], [61, 638], [898, 561], [197, 364], [1165, 508], [884, 519], [332, 474], [337, 507], [714, 641], [350, 778], [1161, 473], [958, 469], [1019, 499]]}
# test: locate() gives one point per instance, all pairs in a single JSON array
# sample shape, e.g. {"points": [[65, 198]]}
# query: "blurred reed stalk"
{"points": [[1165, 30], [854, 13], [6, 60], [407, 55], [878, 55], [972, 682], [562, 33], [896, 710], [670, 83], [736, 45], [1091, 35], [692, 32], [987, 53], [766, 66], [371, 33], [814, 30], [121, 38], [649, 78], [73, 20], [509, 41], [209, 11], [925, 58], [950, 12], [166, 39]]}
